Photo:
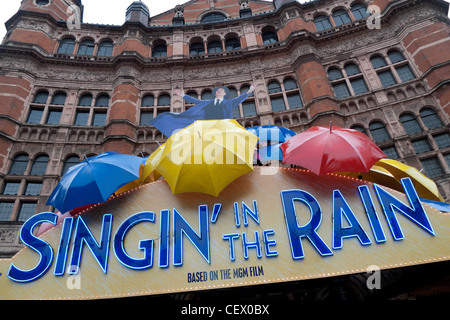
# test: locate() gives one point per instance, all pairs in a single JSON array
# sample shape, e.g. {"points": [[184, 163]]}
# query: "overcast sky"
{"points": [[97, 11]]}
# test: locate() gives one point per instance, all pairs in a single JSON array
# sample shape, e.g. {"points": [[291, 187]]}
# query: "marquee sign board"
{"points": [[289, 226]]}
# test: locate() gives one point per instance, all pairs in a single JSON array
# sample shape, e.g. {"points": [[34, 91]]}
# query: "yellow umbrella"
{"points": [[206, 156], [388, 172], [425, 187]]}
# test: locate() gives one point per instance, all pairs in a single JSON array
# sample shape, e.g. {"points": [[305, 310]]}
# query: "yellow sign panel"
{"points": [[263, 228]]}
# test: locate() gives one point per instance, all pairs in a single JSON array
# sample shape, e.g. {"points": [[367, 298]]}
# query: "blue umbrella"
{"points": [[94, 180], [272, 133], [272, 152]]}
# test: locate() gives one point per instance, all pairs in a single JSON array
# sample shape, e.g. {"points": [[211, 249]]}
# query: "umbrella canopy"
{"points": [[94, 180], [270, 153], [149, 174], [272, 133], [145, 176], [425, 187], [326, 150], [206, 156]]}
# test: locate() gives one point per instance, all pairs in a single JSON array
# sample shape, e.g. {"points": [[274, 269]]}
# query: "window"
{"points": [[378, 131], [86, 48], [430, 118], [334, 74], [405, 73], [386, 78], [359, 11], [391, 152], [341, 90], [6, 209], [19, 165], [215, 47], [207, 95], [197, 48], [11, 188], [351, 69], [164, 100], [322, 23], [159, 51], [290, 84], [70, 162], [33, 189], [378, 62], [27, 210], [270, 37], [432, 167], [41, 97], [359, 86], [278, 104], [274, 87], [421, 145], [85, 100], [249, 109], [341, 17], [442, 140], [105, 49], [42, 2], [146, 117], [99, 119], [294, 101], [148, 101], [232, 44], [66, 46], [213, 17], [395, 56], [82, 118], [39, 166], [54, 116], [102, 100], [359, 128], [35, 115], [410, 124]]}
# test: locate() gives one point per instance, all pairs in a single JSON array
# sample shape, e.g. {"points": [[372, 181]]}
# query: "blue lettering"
{"points": [[269, 243], [164, 239], [200, 241], [61, 258], [84, 236], [216, 211], [236, 215], [230, 237], [295, 232], [255, 244], [375, 224], [416, 214], [145, 245], [246, 211], [341, 208], [43, 248]]}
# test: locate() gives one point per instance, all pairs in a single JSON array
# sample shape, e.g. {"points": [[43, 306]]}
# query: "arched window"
{"points": [[215, 47], [378, 62], [102, 100], [159, 50], [148, 101], [290, 84], [359, 128], [105, 49], [39, 166], [213, 17], [85, 100], [341, 17], [378, 131], [274, 87], [395, 56], [59, 98], [334, 74], [70, 162], [86, 48], [351, 69], [197, 48], [192, 94], [359, 11], [66, 46], [232, 44], [430, 118], [19, 164], [164, 100], [41, 97], [410, 123], [270, 36], [207, 95], [322, 23]]}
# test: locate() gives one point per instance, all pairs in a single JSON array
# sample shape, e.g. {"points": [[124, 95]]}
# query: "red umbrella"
{"points": [[325, 150]]}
